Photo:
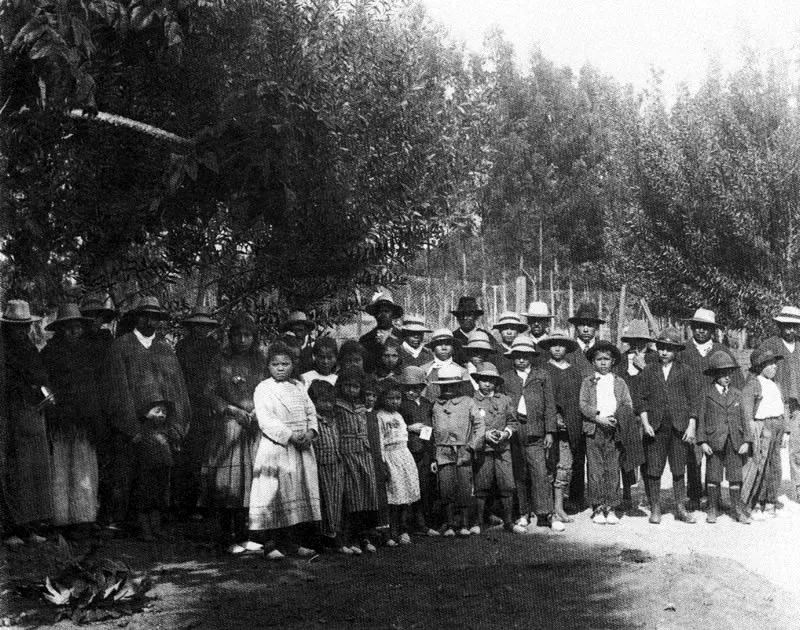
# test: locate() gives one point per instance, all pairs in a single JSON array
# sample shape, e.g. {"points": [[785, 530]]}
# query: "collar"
{"points": [[703, 348], [720, 389], [523, 373], [536, 340], [789, 346], [599, 377], [584, 346], [414, 352], [479, 396], [145, 341]]}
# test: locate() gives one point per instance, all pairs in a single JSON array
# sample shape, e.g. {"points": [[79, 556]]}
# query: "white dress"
{"points": [[402, 487]]}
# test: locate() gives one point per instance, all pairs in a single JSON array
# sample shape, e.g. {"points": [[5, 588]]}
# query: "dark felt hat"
{"points": [[761, 356], [672, 338], [466, 306], [720, 361], [201, 316], [604, 346], [587, 312], [98, 305], [150, 306], [381, 299]]}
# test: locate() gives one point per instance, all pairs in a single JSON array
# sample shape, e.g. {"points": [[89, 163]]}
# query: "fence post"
{"points": [[552, 297], [521, 290], [621, 314]]}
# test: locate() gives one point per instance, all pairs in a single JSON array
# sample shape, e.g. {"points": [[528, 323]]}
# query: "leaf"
{"points": [[59, 597]]}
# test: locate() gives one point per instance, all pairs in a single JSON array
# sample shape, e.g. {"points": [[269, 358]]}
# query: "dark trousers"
{"points": [[122, 473], [541, 489], [666, 445], [694, 481], [602, 455], [727, 459], [577, 485]]}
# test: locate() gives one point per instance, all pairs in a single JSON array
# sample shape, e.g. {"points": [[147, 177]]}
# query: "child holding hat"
{"points": [[724, 435], [412, 350]]}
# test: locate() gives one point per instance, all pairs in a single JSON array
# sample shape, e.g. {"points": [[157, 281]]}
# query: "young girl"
{"points": [[285, 490], [323, 357], [352, 355], [388, 365], [329, 462], [360, 497], [606, 406], [402, 486], [370, 392]]}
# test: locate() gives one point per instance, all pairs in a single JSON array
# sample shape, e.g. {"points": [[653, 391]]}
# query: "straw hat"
{"points": [[448, 374], [412, 375], [510, 319], [200, 316], [150, 306], [587, 312], [719, 361], [468, 306], [440, 335], [297, 317], [522, 344], [488, 370], [637, 329], [558, 338], [538, 310], [18, 312], [604, 346], [96, 305], [380, 299], [704, 317], [68, 312], [672, 338], [761, 356], [478, 340], [414, 324], [788, 315]]}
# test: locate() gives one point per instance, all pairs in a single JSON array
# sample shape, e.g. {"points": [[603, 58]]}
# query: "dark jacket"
{"points": [[499, 414], [674, 400], [722, 417], [579, 360], [374, 347], [540, 403], [698, 364], [422, 413], [567, 390], [788, 375]]}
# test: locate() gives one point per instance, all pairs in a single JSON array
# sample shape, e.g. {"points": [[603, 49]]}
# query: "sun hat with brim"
{"points": [[478, 340], [200, 317], [94, 306], [587, 312], [449, 374], [761, 356], [488, 370], [149, 305], [670, 337], [18, 312], [412, 375], [522, 345], [636, 330], [704, 317], [510, 319], [720, 361], [413, 324], [440, 335], [297, 317], [538, 310], [604, 346], [558, 338], [382, 299], [67, 313], [788, 315], [467, 306]]}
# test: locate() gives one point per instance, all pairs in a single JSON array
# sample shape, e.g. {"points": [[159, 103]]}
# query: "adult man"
{"points": [[699, 349], [298, 327], [788, 379], [140, 368], [539, 321], [466, 315], [385, 311]]}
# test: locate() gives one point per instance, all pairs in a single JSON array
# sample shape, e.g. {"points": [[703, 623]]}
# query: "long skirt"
{"points": [[285, 489], [227, 472], [402, 486], [75, 477], [762, 470], [359, 482]]}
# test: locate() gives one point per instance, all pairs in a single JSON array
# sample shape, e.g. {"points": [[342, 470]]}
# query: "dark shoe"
{"points": [[636, 512], [679, 494], [693, 505], [655, 500], [740, 512]]}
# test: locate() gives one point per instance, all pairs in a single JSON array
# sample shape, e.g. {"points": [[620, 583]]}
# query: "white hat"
{"points": [[704, 316], [538, 309], [788, 315]]}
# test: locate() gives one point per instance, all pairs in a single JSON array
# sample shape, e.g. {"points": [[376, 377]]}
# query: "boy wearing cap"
{"points": [[668, 407], [385, 311], [412, 350], [510, 326], [531, 393], [724, 435], [442, 344], [458, 433], [466, 315], [493, 465]]}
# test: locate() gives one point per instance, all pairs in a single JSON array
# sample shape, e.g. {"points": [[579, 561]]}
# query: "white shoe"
{"points": [[275, 555], [557, 526], [405, 539], [235, 549], [519, 529], [345, 551], [757, 514], [463, 532], [612, 518], [14, 541], [369, 547], [432, 532], [252, 546], [449, 533], [522, 521], [475, 530], [305, 552], [599, 518], [391, 543], [356, 550]]}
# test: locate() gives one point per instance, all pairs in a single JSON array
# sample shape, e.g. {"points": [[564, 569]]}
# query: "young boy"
{"points": [[458, 433], [493, 465], [668, 409], [724, 435], [510, 326], [607, 411], [567, 388], [323, 358], [442, 344], [417, 411], [477, 351], [531, 393], [412, 350]]}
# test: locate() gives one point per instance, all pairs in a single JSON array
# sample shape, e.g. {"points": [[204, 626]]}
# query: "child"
{"points": [[285, 490], [402, 480], [531, 393], [493, 465], [607, 411], [724, 435], [370, 392], [360, 497], [477, 350], [388, 364], [150, 492], [352, 355], [764, 410], [567, 389], [458, 432], [412, 350], [442, 344], [323, 357], [510, 326], [669, 410], [329, 465], [417, 411]]}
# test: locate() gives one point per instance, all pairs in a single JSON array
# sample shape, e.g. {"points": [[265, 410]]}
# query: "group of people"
{"points": [[310, 444]]}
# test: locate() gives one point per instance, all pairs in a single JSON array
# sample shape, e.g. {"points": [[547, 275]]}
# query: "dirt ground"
{"points": [[632, 575]]}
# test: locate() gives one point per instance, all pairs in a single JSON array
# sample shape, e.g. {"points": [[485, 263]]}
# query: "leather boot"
{"points": [[739, 510], [679, 493], [713, 504], [655, 500]]}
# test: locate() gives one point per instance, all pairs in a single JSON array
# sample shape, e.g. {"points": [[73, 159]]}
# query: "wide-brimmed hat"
{"points": [[720, 361], [604, 346], [448, 374], [788, 315], [558, 338], [478, 340], [466, 306], [381, 299], [412, 375], [150, 306], [510, 319], [414, 324], [439, 335], [587, 312], [201, 316], [705, 317], [18, 312], [98, 305], [538, 310], [671, 337], [68, 312], [761, 356], [636, 330], [488, 370], [522, 344], [297, 317]]}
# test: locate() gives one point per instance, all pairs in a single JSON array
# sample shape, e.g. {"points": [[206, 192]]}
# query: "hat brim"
{"points": [[570, 344], [670, 344], [285, 326], [629, 338], [54, 325], [200, 321], [476, 312], [519, 327], [496, 378], [33, 319], [102, 310], [710, 371], [372, 309], [487, 347], [435, 342], [449, 382], [533, 351], [593, 320], [414, 331], [702, 322], [532, 316], [156, 314], [757, 367]]}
